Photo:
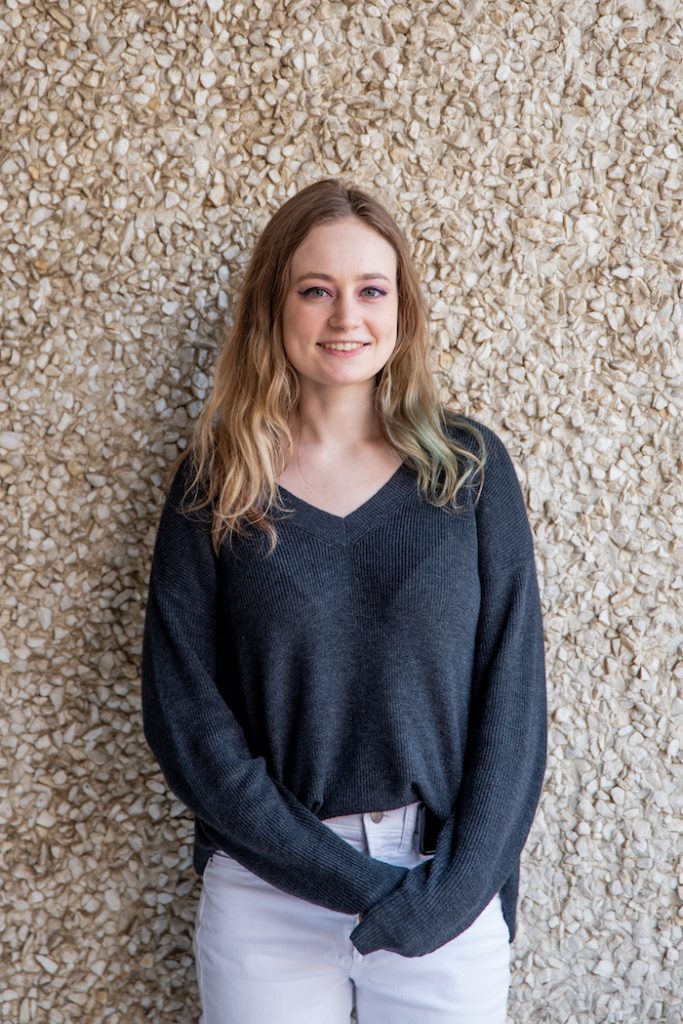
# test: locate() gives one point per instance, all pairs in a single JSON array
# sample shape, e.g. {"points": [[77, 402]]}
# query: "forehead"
{"points": [[346, 240]]}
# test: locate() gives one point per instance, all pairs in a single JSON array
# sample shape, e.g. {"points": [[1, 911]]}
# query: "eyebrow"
{"points": [[328, 277]]}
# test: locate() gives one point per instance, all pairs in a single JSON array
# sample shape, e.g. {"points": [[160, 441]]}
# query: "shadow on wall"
{"points": [[159, 927], [125, 865], [139, 879], [134, 890]]}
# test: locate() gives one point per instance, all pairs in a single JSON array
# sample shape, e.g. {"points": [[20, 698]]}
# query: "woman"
{"points": [[343, 665]]}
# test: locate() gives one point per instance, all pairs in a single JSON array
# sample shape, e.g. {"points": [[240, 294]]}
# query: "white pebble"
{"points": [[44, 616], [47, 963], [604, 968], [202, 166], [587, 228], [39, 215], [10, 440], [112, 899]]}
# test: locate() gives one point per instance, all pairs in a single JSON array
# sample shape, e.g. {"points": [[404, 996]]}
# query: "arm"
{"points": [[202, 750], [480, 843]]}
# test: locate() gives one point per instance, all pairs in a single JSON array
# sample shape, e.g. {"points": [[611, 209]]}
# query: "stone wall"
{"points": [[532, 152]]}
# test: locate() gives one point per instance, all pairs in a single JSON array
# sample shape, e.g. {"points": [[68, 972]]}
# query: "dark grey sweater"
{"points": [[391, 655]]}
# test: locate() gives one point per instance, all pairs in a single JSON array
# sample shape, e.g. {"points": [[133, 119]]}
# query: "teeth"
{"points": [[343, 346]]}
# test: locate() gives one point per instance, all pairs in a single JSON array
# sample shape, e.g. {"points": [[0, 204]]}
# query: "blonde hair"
{"points": [[238, 447]]}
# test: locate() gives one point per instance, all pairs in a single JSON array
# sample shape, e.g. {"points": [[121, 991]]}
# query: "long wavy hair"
{"points": [[241, 437]]}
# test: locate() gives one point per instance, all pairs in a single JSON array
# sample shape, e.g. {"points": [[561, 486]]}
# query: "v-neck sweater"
{"points": [[390, 655]]}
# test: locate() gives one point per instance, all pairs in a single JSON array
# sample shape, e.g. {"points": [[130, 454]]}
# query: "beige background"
{"points": [[532, 153]]}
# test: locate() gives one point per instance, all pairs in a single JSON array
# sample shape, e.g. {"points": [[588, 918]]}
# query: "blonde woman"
{"points": [[343, 661]]}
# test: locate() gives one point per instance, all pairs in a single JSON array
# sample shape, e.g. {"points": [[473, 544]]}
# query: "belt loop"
{"points": [[365, 833], [409, 823], [412, 818], [403, 828]]}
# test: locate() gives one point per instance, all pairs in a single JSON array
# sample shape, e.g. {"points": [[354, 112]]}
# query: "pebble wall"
{"points": [[532, 152]]}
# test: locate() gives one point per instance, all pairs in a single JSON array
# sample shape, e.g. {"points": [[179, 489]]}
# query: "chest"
{"points": [[369, 576], [342, 491]]}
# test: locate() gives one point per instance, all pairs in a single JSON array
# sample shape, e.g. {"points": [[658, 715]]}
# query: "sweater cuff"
{"points": [[394, 925], [407, 923]]}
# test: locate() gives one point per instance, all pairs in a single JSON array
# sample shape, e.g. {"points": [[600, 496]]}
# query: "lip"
{"points": [[340, 353]]}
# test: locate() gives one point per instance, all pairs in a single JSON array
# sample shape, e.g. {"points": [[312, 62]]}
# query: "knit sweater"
{"points": [[390, 655]]}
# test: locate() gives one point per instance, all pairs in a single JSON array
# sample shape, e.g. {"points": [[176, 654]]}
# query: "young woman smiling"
{"points": [[343, 661]]}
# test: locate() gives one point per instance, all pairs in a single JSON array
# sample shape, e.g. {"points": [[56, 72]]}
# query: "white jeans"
{"points": [[266, 957]]}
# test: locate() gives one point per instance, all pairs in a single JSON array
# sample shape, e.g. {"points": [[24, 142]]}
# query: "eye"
{"points": [[314, 288], [316, 291]]}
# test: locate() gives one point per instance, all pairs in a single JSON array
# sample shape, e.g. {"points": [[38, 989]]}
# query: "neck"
{"points": [[336, 418]]}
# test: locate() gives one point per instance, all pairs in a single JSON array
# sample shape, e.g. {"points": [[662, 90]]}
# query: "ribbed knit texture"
{"points": [[392, 655]]}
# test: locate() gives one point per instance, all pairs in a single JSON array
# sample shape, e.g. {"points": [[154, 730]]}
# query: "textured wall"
{"points": [[533, 153]]}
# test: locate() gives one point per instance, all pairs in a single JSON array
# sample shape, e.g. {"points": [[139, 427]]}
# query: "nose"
{"points": [[344, 312]]}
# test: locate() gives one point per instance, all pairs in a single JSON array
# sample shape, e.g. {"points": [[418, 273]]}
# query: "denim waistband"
{"points": [[379, 832]]}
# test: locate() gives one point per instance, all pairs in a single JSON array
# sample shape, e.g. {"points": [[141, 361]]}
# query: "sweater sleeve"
{"points": [[202, 750], [479, 845]]}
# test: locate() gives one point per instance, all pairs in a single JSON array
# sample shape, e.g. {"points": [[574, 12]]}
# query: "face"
{"points": [[342, 289]]}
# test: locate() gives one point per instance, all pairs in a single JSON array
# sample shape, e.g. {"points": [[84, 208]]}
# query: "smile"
{"points": [[343, 346]]}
